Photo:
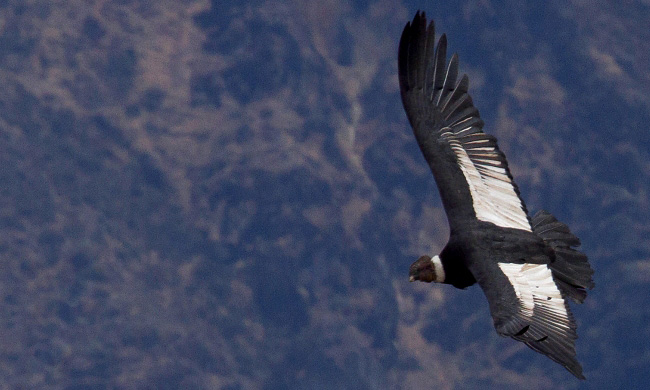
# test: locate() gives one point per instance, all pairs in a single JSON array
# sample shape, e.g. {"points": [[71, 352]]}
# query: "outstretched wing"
{"points": [[471, 172], [540, 317]]}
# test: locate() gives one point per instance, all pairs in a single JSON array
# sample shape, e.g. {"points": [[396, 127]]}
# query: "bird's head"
{"points": [[426, 269]]}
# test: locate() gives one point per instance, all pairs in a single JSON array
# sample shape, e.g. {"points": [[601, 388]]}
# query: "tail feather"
{"points": [[571, 268]]}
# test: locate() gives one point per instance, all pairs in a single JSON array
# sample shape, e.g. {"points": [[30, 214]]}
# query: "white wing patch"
{"points": [[537, 292], [493, 194]]}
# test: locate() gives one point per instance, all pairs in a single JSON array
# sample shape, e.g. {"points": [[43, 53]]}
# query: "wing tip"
{"points": [[566, 360], [412, 49]]}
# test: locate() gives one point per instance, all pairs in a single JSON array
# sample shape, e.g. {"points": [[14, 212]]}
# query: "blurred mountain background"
{"points": [[227, 195]]}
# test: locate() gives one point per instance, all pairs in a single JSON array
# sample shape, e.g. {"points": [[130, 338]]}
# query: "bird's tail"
{"points": [[571, 268]]}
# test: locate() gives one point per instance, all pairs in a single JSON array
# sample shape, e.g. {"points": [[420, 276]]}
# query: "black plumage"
{"points": [[526, 267]]}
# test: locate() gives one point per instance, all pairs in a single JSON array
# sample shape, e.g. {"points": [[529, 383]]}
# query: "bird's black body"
{"points": [[465, 253], [527, 267]]}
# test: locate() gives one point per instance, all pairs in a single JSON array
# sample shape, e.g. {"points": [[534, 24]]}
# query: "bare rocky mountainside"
{"points": [[227, 195]]}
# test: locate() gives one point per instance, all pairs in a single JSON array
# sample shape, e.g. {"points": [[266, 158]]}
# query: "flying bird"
{"points": [[527, 267]]}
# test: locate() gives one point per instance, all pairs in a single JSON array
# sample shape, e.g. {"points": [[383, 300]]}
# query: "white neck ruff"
{"points": [[438, 269]]}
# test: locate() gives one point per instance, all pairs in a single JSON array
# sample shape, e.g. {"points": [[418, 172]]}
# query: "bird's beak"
{"points": [[411, 278]]}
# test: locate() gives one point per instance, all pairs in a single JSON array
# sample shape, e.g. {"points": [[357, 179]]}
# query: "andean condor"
{"points": [[527, 267]]}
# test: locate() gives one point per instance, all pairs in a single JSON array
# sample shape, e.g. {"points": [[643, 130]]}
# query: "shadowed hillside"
{"points": [[210, 195]]}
